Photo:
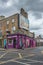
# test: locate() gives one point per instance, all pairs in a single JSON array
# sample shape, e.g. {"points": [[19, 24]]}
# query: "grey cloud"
{"points": [[34, 28], [34, 5], [37, 15], [4, 1], [28, 5]]}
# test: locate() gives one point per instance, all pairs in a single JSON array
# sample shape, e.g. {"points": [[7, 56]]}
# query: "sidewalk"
{"points": [[2, 49], [13, 49]]}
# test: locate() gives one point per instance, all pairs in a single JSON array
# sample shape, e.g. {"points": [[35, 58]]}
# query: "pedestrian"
{"points": [[5, 43]]}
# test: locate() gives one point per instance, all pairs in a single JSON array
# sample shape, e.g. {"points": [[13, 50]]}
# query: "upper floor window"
{"points": [[13, 20], [6, 29], [13, 28], [7, 22], [0, 24]]}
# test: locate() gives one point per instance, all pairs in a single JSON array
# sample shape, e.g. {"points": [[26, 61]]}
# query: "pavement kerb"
{"points": [[2, 49]]}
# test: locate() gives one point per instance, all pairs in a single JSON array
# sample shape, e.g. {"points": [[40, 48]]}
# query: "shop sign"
{"points": [[23, 22], [12, 36]]}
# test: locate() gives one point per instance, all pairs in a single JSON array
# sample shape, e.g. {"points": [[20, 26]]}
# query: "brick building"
{"points": [[16, 26]]}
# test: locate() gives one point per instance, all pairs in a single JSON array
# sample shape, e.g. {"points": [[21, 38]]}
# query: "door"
{"points": [[14, 43]]}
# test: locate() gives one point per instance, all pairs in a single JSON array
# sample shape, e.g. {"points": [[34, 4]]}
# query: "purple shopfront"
{"points": [[19, 40]]}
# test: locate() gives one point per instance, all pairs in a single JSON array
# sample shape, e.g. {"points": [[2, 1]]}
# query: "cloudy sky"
{"points": [[33, 7]]}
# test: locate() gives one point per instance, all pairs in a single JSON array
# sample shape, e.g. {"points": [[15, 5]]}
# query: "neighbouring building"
{"points": [[16, 29], [39, 41]]}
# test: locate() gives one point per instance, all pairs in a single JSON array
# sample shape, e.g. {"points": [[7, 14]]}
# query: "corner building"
{"points": [[16, 29]]}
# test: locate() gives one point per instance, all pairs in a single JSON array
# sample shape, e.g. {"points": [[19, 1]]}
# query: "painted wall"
{"points": [[21, 41]]}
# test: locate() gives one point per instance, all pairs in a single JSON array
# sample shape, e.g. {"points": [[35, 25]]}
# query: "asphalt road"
{"points": [[30, 56]]}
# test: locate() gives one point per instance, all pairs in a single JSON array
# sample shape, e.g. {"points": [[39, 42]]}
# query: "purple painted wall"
{"points": [[26, 41]]}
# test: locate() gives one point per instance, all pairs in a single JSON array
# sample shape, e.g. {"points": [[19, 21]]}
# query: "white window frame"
{"points": [[13, 28], [13, 20], [7, 22]]}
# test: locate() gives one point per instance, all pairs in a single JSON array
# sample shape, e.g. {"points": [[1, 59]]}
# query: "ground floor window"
{"points": [[21, 43], [10, 41]]}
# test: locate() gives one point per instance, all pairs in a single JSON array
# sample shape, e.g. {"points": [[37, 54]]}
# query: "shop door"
{"points": [[14, 43]]}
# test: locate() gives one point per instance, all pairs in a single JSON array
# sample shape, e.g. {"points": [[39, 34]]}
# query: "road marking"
{"points": [[21, 62], [29, 55], [2, 62], [3, 55], [5, 61], [20, 56], [33, 60]]}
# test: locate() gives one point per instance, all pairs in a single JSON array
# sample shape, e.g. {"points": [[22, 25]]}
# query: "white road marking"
{"points": [[5, 61], [20, 56], [3, 55], [2, 62], [33, 60], [21, 62]]}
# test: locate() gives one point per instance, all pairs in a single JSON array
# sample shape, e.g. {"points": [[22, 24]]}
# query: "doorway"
{"points": [[14, 42]]}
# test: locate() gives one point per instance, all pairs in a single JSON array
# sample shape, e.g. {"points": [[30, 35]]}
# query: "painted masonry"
{"points": [[15, 29]]}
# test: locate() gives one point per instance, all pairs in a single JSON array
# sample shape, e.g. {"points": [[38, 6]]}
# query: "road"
{"points": [[29, 56]]}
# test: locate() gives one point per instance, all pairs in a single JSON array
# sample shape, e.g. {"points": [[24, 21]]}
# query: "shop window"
{"points": [[10, 41], [21, 43]]}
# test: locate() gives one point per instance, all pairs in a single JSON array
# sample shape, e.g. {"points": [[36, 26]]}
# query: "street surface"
{"points": [[29, 56]]}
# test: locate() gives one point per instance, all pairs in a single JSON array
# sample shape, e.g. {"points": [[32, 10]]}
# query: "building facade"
{"points": [[16, 29], [39, 41]]}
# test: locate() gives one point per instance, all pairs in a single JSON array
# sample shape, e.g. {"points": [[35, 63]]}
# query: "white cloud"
{"points": [[12, 2], [9, 3]]}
